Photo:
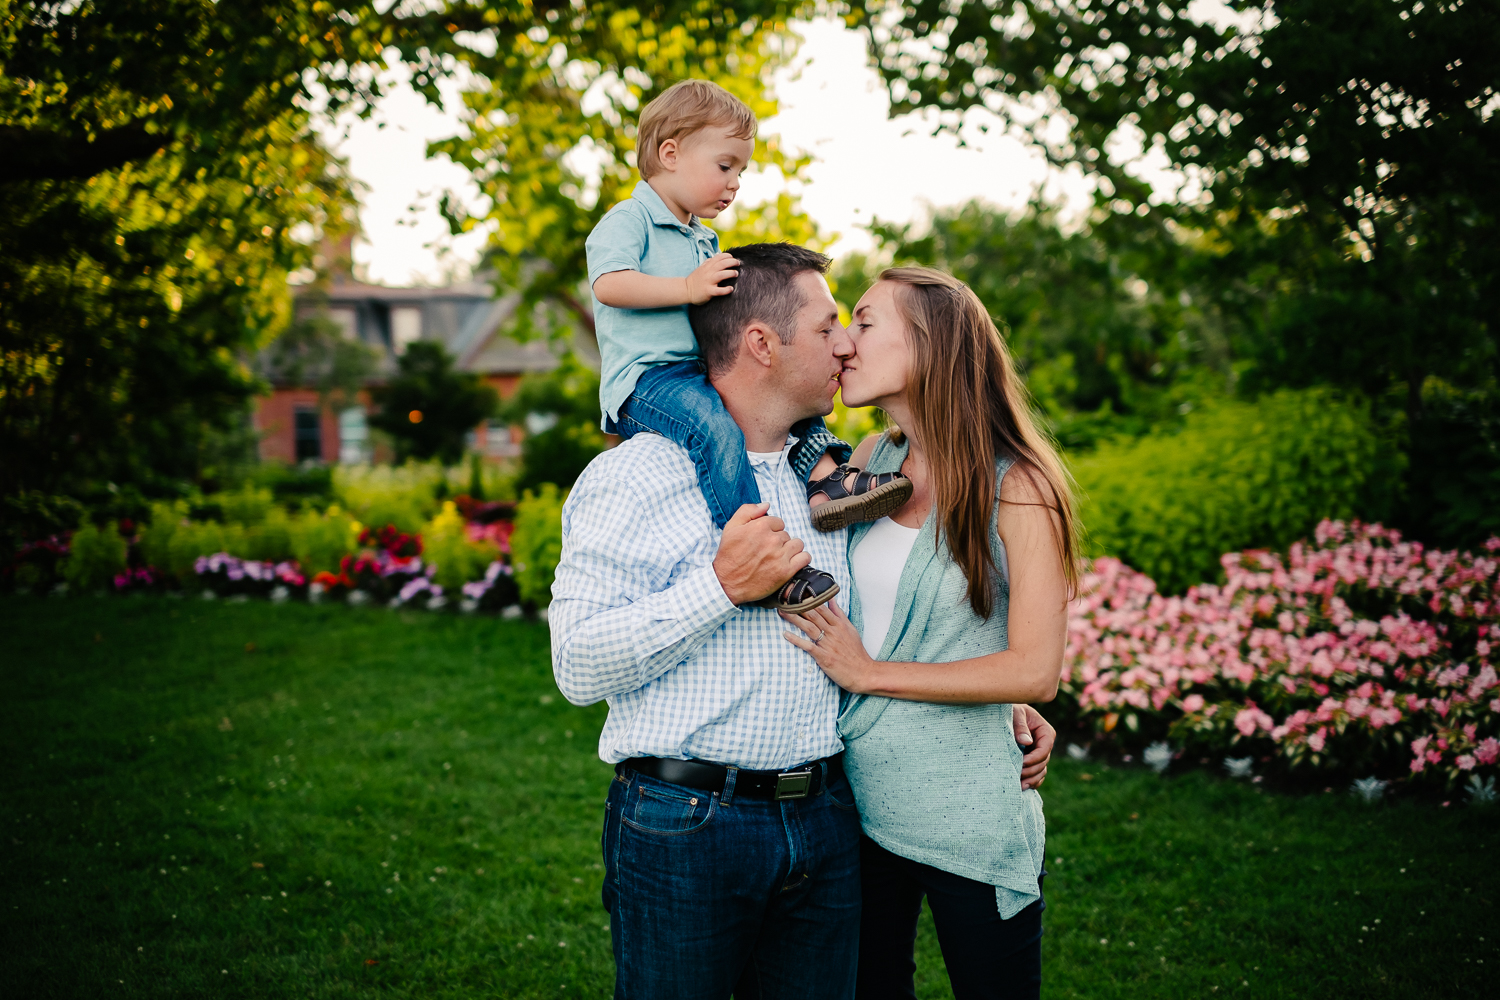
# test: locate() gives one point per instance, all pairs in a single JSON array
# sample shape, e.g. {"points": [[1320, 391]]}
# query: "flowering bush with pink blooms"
{"points": [[1357, 652]]}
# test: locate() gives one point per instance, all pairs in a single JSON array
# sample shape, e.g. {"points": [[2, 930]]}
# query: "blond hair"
{"points": [[970, 408], [682, 109]]}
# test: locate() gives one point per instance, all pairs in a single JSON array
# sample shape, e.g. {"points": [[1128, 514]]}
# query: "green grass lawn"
{"points": [[206, 799]]}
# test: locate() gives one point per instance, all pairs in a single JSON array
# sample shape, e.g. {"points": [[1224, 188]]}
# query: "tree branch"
{"points": [[38, 154]]}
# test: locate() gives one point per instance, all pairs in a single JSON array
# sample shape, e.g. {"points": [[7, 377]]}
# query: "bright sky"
{"points": [[832, 105]]}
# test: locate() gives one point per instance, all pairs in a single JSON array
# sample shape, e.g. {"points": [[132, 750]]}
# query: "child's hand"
{"points": [[703, 283]]}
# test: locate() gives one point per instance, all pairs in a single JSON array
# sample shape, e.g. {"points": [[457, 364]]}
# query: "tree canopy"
{"points": [[1337, 154]]}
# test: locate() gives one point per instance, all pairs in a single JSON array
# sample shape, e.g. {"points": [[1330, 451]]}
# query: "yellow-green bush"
{"points": [[248, 506], [319, 541], [95, 556], [446, 544], [1235, 476], [405, 495], [536, 544]]}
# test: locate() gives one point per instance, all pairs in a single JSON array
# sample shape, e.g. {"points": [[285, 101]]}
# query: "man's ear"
{"points": [[666, 154], [760, 344]]}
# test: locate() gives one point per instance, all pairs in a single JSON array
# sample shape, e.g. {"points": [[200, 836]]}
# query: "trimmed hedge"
{"points": [[1234, 476]]}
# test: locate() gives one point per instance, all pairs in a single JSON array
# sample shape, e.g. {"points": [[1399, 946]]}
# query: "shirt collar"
{"points": [[660, 214]]}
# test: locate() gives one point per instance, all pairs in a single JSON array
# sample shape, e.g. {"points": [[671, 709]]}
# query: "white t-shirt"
{"points": [[876, 565]]}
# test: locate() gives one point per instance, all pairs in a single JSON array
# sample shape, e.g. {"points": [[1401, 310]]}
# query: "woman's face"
{"points": [[878, 369]]}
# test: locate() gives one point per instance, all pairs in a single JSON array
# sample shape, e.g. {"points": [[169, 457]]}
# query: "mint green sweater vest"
{"points": [[941, 784]]}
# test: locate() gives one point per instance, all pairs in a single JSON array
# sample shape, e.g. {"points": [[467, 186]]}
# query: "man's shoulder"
{"points": [[652, 466]]}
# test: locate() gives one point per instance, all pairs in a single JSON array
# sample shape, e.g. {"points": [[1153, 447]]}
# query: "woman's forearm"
{"points": [[1008, 677]]}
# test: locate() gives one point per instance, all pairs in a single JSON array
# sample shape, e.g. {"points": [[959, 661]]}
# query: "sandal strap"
{"points": [[832, 485], [806, 584]]}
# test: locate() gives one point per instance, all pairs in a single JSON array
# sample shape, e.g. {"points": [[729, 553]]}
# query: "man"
{"points": [[731, 841]]}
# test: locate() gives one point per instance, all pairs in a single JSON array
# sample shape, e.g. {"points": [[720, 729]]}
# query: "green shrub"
{"points": [[1235, 476], [247, 506], [319, 541], [536, 544], [271, 539], [446, 544], [405, 495], [95, 556]]}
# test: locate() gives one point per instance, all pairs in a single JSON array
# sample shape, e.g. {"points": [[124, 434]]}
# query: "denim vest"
{"points": [[941, 784]]}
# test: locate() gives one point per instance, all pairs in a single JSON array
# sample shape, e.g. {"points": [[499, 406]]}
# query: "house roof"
{"points": [[468, 318]]}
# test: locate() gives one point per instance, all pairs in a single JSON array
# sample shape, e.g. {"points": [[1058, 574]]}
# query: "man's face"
{"points": [[811, 363]]}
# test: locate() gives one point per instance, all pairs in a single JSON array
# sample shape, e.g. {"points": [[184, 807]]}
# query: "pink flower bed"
{"points": [[1356, 652]]}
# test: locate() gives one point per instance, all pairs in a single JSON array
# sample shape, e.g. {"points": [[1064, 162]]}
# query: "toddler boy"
{"points": [[649, 258]]}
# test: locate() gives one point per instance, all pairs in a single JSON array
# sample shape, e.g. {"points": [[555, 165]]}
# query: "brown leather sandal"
{"points": [[873, 497], [807, 589]]}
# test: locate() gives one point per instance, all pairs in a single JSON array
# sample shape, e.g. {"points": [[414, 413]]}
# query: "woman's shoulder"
{"points": [[880, 448]]}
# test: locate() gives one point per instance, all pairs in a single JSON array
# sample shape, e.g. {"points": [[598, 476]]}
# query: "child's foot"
{"points": [[807, 589], [851, 496]]}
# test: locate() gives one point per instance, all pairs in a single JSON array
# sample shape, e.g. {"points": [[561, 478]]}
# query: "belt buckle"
{"points": [[794, 784]]}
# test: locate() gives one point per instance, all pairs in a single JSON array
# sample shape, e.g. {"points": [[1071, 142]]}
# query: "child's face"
{"points": [[701, 172]]}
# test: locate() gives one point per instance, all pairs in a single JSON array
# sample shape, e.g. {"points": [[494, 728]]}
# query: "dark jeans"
{"points": [[677, 402], [986, 957], [711, 895]]}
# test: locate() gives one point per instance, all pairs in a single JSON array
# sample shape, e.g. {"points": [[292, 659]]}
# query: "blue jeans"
{"points": [[987, 958], [677, 402], [712, 895]]}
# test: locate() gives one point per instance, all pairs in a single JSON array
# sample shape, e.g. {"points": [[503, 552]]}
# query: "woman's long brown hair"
{"points": [[971, 408]]}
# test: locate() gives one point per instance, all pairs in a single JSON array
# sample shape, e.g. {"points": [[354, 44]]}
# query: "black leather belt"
{"points": [[799, 782]]}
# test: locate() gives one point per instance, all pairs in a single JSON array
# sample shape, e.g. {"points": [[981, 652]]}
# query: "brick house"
{"points": [[466, 318]]}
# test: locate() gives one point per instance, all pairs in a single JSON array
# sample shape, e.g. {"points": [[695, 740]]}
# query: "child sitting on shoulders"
{"points": [[649, 258]]}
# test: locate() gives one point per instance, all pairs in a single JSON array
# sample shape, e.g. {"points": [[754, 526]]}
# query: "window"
{"points": [[309, 435], [354, 436], [406, 327], [347, 320]]}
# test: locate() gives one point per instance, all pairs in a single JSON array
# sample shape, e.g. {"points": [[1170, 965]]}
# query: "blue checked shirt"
{"points": [[639, 619]]}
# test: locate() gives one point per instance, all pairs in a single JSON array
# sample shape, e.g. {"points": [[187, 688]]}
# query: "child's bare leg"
{"points": [[823, 469], [838, 501]]}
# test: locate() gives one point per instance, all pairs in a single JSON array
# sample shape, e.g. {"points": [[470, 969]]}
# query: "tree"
{"points": [[551, 130], [161, 180], [1105, 322], [560, 409], [429, 407], [1338, 154]]}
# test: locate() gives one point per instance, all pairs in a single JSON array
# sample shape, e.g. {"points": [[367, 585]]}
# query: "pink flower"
{"points": [[1487, 751], [1192, 703], [1418, 766], [1465, 762]]}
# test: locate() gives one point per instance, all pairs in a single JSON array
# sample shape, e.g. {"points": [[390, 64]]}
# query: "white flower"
{"points": [[1370, 789], [315, 593], [1078, 751], [208, 595], [437, 602], [358, 597], [279, 594], [1238, 767], [1481, 793], [1158, 755], [512, 611], [468, 605]]}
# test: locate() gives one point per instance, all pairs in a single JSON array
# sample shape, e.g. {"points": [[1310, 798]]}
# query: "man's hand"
{"points": [[756, 555], [703, 283], [1036, 732]]}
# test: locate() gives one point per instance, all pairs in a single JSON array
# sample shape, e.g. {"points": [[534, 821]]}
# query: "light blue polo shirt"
{"points": [[641, 234]]}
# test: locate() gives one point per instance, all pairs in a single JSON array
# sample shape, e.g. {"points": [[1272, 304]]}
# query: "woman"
{"points": [[933, 661]]}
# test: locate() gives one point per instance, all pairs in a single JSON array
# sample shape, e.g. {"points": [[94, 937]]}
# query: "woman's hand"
{"points": [[834, 643], [1034, 731]]}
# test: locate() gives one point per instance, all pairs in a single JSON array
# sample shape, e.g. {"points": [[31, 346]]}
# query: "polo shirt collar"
{"points": [[661, 215]]}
